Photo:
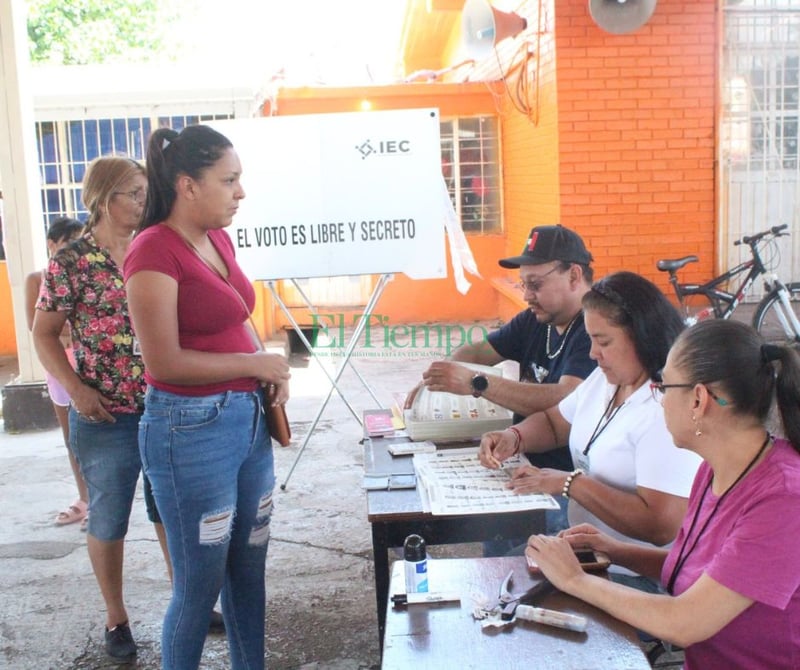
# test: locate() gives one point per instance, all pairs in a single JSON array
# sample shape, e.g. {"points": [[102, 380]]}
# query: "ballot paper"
{"points": [[453, 481]]}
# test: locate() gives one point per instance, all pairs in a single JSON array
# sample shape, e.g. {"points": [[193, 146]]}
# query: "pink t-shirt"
{"points": [[210, 316], [751, 546]]}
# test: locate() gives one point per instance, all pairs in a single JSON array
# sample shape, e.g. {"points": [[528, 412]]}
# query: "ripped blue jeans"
{"points": [[209, 461]]}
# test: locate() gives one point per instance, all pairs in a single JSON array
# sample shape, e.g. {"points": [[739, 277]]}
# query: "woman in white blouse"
{"points": [[630, 480]]}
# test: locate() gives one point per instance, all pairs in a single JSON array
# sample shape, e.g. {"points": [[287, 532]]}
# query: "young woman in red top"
{"points": [[204, 438]]}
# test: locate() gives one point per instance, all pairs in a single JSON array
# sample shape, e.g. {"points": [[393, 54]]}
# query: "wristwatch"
{"points": [[479, 384]]}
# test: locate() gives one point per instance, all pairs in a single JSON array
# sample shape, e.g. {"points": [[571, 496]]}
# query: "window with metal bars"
{"points": [[775, 99], [760, 66], [471, 169], [760, 161], [67, 147]]}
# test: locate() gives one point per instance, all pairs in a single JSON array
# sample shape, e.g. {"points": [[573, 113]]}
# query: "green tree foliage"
{"points": [[79, 32]]}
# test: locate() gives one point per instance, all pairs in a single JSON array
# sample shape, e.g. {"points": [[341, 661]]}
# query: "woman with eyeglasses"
{"points": [[83, 285], [732, 576], [630, 480]]}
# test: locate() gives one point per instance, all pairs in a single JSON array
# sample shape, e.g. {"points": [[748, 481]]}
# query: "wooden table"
{"points": [[396, 514], [445, 635]]}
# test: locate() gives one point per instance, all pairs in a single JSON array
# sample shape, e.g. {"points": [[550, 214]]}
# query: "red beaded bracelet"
{"points": [[518, 443]]}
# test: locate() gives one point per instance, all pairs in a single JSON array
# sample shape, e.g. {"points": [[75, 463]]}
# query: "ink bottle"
{"points": [[415, 559]]}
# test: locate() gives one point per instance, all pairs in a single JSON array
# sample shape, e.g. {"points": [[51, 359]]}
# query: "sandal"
{"points": [[75, 512]]}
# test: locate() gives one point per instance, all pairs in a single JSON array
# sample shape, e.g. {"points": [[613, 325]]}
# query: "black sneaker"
{"points": [[216, 624], [119, 641]]}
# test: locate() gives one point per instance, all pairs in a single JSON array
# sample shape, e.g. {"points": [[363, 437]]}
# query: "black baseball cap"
{"points": [[550, 243]]}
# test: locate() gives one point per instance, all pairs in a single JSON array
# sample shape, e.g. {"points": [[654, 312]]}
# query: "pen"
{"points": [[422, 598], [552, 618]]}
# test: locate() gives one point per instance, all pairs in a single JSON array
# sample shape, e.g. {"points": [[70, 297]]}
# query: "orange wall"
{"points": [[469, 99], [8, 339], [406, 300], [530, 153], [636, 118]]}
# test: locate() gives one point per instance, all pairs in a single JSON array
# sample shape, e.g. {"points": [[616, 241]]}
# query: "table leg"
{"points": [[380, 551]]}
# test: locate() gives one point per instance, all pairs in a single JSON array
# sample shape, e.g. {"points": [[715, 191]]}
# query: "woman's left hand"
{"points": [[530, 479], [555, 558]]}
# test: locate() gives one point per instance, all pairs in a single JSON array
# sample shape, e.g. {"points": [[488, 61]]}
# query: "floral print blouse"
{"points": [[83, 280]]}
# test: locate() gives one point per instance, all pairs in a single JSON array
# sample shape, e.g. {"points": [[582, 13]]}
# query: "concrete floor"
{"points": [[321, 600]]}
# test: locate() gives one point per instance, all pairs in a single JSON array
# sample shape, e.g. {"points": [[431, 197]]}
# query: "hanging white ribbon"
{"points": [[460, 252]]}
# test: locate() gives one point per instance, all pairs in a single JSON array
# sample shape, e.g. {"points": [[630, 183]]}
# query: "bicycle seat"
{"points": [[667, 265]]}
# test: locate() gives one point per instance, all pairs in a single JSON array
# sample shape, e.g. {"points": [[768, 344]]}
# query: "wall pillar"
{"points": [[24, 238]]}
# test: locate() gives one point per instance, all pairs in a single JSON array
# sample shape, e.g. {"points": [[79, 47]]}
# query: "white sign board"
{"points": [[339, 194]]}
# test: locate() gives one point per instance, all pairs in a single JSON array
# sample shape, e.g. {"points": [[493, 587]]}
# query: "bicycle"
{"points": [[777, 316]]}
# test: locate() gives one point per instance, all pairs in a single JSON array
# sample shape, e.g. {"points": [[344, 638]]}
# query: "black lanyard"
{"points": [[601, 425], [681, 556]]}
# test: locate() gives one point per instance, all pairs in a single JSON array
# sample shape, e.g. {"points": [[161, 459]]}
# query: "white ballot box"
{"points": [[444, 417]]}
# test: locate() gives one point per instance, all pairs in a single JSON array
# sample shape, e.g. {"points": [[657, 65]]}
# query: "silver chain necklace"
{"points": [[558, 351]]}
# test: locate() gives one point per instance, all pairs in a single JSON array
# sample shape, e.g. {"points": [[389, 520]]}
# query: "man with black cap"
{"points": [[548, 340]]}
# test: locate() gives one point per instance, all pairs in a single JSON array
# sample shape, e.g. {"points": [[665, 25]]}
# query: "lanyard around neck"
{"points": [[689, 549], [603, 422]]}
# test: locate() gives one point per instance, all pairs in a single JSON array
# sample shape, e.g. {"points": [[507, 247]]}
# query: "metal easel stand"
{"points": [[298, 330], [359, 329]]}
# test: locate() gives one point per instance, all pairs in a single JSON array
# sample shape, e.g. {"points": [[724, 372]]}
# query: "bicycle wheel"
{"points": [[772, 321]]}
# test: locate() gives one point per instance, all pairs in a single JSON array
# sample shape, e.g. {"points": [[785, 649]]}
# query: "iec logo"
{"points": [[384, 148]]}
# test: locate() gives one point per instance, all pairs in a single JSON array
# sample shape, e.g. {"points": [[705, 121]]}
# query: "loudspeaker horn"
{"points": [[621, 16], [483, 26]]}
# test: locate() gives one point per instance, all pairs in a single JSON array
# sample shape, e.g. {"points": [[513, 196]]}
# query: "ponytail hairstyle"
{"points": [[63, 229], [635, 304], [749, 373], [103, 177], [170, 154]]}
